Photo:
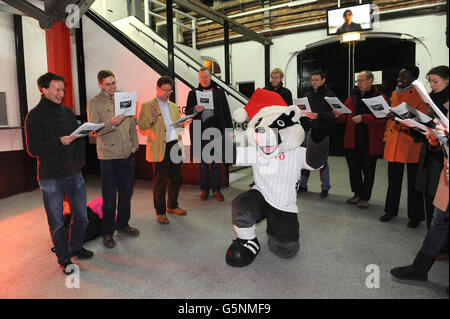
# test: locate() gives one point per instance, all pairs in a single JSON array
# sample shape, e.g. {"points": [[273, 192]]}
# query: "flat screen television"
{"points": [[349, 19]]}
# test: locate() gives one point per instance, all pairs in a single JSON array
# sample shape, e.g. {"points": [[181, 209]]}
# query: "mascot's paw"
{"points": [[242, 252], [320, 127]]}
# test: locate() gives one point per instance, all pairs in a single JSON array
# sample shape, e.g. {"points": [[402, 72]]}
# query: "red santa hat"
{"points": [[260, 99]]}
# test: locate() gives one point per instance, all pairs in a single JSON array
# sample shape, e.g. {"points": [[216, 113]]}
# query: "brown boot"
{"points": [[108, 241], [162, 219]]}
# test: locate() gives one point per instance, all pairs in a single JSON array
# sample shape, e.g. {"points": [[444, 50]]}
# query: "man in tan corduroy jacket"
{"points": [[164, 147]]}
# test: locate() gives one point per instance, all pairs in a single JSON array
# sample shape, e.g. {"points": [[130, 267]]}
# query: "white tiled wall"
{"points": [[35, 65]]}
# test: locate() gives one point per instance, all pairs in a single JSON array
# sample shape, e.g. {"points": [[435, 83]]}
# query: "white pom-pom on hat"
{"points": [[260, 99], [240, 115]]}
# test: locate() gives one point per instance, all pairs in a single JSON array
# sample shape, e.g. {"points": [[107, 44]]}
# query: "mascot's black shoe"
{"points": [[242, 252]]}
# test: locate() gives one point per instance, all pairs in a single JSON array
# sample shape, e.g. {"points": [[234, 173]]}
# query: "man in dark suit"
{"points": [[348, 25], [220, 118]]}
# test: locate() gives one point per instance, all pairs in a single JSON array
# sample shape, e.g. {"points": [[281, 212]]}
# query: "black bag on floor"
{"points": [[94, 227]]}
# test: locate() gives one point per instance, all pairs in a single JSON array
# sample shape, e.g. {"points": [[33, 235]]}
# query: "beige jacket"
{"points": [[112, 143], [156, 137]]}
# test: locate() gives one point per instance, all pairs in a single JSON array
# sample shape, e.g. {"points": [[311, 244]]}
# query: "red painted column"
{"points": [[59, 60]]}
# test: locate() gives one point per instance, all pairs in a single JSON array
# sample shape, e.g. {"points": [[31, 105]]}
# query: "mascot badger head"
{"points": [[273, 126]]}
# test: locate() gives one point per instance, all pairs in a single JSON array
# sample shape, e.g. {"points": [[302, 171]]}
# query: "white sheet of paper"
{"points": [[125, 103], [405, 111], [377, 105], [337, 105], [87, 128], [426, 98], [184, 118], [205, 99], [303, 104], [425, 130], [246, 156]]}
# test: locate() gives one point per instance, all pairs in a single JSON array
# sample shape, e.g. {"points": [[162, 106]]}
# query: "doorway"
{"points": [[340, 61]]}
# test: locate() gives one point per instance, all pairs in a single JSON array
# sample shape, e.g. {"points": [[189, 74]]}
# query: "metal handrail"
{"points": [[193, 26], [196, 66]]}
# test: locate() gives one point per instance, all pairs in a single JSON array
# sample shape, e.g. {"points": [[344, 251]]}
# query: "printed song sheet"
{"points": [[337, 105], [125, 103]]}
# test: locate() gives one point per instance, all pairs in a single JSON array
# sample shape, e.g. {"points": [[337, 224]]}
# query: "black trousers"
{"points": [[361, 167], [117, 177], [415, 202], [166, 177]]}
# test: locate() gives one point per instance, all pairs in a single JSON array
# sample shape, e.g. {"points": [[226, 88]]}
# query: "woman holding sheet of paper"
{"points": [[431, 158], [401, 147]]}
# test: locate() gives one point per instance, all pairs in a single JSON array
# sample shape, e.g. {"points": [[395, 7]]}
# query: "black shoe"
{"points": [[64, 267], [83, 253], [408, 273], [385, 218], [413, 224], [242, 252], [417, 271], [302, 189], [324, 193]]}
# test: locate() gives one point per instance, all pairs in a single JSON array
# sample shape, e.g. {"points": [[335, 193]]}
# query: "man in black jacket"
{"points": [[319, 107], [60, 158], [276, 85], [218, 118]]}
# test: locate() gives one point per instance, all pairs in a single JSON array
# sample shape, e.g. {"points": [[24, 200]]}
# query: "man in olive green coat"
{"points": [[117, 143]]}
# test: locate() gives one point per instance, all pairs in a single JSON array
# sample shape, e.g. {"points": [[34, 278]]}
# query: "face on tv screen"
{"points": [[349, 19]]}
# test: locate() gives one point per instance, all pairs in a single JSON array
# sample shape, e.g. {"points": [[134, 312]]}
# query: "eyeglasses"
{"points": [[166, 90]]}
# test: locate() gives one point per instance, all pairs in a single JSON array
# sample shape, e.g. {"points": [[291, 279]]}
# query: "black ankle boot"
{"points": [[417, 271]]}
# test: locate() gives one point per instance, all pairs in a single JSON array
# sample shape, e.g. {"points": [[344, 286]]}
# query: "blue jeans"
{"points": [[324, 172], [53, 191], [437, 235], [117, 176], [324, 177]]}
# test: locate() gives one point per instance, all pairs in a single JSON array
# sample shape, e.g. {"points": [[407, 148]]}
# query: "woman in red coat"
{"points": [[400, 149], [363, 139]]}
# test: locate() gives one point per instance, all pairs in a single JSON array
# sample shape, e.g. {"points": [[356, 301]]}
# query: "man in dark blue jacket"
{"points": [[60, 158]]}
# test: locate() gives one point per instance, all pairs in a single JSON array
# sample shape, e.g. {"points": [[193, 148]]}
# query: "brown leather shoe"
{"points": [[162, 219], [108, 241], [219, 196], [177, 211], [204, 195], [354, 200], [130, 231], [363, 203]]}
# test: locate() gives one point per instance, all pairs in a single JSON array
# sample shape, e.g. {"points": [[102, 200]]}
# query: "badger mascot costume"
{"points": [[275, 135]]}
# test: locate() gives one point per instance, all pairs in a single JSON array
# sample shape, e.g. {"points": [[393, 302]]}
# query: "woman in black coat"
{"points": [[431, 157]]}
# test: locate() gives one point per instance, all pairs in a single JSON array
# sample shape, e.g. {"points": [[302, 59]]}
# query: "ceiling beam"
{"points": [[220, 18], [8, 9], [45, 20], [84, 6], [53, 10]]}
